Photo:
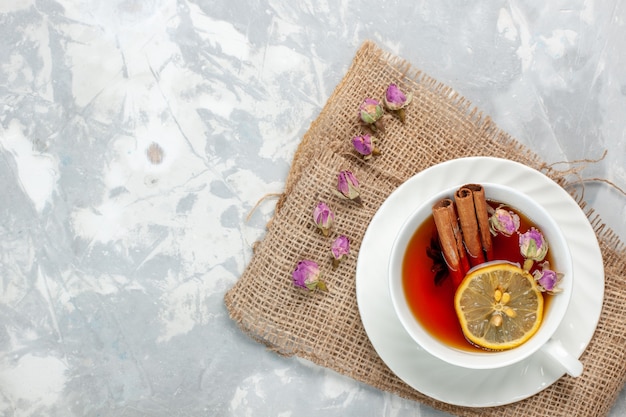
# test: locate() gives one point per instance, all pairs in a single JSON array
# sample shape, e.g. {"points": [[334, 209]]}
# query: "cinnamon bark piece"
{"points": [[450, 238], [469, 225], [482, 216]]}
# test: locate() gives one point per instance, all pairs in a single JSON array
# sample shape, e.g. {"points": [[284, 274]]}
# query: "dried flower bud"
{"points": [[366, 145], [323, 217], [307, 275], [348, 186], [395, 100], [340, 249], [504, 221], [547, 279], [532, 246], [371, 113]]}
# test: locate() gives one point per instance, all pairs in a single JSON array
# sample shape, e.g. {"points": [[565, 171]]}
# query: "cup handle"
{"points": [[554, 348]]}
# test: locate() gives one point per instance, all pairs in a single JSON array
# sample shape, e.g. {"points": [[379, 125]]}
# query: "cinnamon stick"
{"points": [[482, 216], [450, 238], [469, 225]]}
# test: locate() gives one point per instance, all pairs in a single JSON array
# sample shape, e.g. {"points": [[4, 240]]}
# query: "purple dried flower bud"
{"points": [[307, 275], [532, 245], [547, 279], [348, 186], [340, 249], [365, 145], [370, 111], [323, 217], [504, 221], [395, 99]]}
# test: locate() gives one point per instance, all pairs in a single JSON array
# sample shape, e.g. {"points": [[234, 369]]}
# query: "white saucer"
{"points": [[431, 376]]}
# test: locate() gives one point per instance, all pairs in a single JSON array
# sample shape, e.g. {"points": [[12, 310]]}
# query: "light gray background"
{"points": [[113, 267]]}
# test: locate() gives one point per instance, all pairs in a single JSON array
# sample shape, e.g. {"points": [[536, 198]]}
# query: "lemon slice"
{"points": [[499, 306]]}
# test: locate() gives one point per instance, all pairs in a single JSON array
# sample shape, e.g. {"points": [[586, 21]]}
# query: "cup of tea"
{"points": [[423, 296]]}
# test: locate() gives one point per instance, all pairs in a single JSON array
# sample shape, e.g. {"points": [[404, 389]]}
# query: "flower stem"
{"points": [[528, 263]]}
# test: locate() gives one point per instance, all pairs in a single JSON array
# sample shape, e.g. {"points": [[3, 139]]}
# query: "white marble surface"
{"points": [[136, 136]]}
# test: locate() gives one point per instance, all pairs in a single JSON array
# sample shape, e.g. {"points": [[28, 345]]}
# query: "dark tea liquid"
{"points": [[433, 305]]}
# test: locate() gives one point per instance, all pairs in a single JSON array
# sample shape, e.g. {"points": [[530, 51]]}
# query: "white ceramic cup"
{"points": [[553, 315]]}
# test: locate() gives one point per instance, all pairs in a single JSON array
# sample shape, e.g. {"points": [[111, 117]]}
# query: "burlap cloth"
{"points": [[326, 327]]}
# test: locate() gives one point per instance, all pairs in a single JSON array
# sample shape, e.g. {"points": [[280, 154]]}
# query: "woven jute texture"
{"points": [[326, 327]]}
